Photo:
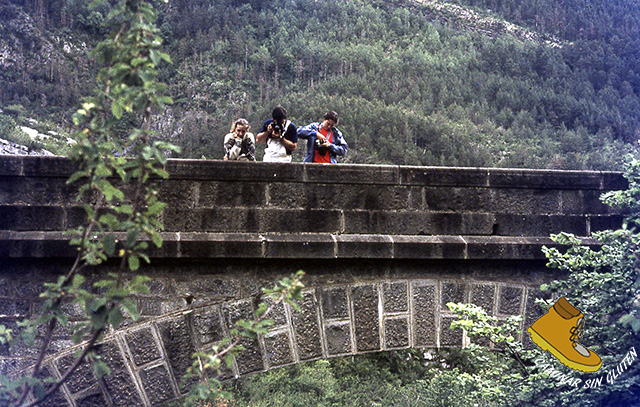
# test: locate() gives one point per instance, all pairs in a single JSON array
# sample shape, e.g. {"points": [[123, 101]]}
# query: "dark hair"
{"points": [[331, 115], [279, 113]]}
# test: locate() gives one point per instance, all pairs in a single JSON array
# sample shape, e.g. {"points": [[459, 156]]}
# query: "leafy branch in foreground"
{"points": [[207, 366], [120, 201]]}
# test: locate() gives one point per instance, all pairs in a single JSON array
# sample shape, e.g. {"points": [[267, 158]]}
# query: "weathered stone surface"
{"points": [[452, 291], [484, 296], [119, 384], [82, 379], [338, 336], [394, 296], [177, 344], [157, 384], [300, 246], [278, 349], [142, 346], [510, 300], [396, 333], [94, 398], [250, 360], [366, 318], [305, 326], [424, 313], [449, 337], [334, 302]]}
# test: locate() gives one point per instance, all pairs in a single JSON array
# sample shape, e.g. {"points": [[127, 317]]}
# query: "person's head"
{"points": [[330, 120], [240, 127], [279, 114]]}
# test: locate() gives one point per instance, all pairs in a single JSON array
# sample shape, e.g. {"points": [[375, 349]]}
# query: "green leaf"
{"points": [[134, 263], [115, 317]]}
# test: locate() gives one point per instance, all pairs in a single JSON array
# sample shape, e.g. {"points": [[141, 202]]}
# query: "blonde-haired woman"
{"points": [[240, 144]]}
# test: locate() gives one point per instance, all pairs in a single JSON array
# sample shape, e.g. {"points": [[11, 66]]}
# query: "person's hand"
{"points": [[322, 138]]}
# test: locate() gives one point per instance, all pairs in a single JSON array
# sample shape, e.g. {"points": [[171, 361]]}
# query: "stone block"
{"points": [[526, 201], [11, 165], [501, 247], [178, 346], [449, 337], [358, 174], [183, 220], [143, 346], [604, 222], [365, 317], [365, 246], [510, 300], [225, 245], [452, 291], [443, 176], [338, 336], [232, 194], [532, 312], [58, 398], [334, 302], [278, 348], [394, 295], [396, 333], [300, 246], [156, 382], [81, 379], [539, 225], [306, 329], [548, 179], [36, 218], [614, 181], [234, 170], [484, 296], [455, 199], [425, 307], [179, 194], [316, 220], [93, 398], [119, 384], [417, 223], [207, 325], [428, 247], [250, 359], [41, 166]]}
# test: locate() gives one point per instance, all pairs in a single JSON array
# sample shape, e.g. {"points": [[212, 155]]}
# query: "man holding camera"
{"points": [[324, 141], [280, 135]]}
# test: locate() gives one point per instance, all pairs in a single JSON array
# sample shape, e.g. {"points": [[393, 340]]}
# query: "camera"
{"points": [[319, 147], [276, 128]]}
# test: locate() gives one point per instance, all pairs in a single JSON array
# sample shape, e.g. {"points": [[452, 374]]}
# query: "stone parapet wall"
{"points": [[263, 210]]}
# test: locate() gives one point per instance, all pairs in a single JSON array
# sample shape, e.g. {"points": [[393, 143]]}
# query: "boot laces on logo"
{"points": [[576, 334]]}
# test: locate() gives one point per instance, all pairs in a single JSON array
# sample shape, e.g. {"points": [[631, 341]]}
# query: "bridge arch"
{"points": [[384, 249]]}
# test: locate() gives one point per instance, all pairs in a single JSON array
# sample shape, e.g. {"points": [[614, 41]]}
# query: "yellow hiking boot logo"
{"points": [[558, 331]]}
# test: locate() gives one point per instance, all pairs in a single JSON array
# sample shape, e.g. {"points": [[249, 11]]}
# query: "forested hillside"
{"points": [[528, 83]]}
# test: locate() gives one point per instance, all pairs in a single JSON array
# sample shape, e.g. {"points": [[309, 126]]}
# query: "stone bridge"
{"points": [[384, 249]]}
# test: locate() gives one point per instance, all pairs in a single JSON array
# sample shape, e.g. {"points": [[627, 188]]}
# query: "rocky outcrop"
{"points": [[9, 148]]}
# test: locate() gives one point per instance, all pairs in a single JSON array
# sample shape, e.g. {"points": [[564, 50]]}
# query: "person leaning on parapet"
{"points": [[240, 144], [280, 136], [324, 141]]}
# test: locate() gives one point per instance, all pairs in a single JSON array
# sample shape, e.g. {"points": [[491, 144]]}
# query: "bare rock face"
{"points": [[9, 148]]}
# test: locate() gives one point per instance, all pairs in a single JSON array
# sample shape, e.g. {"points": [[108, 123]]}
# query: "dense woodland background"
{"points": [[500, 83]]}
